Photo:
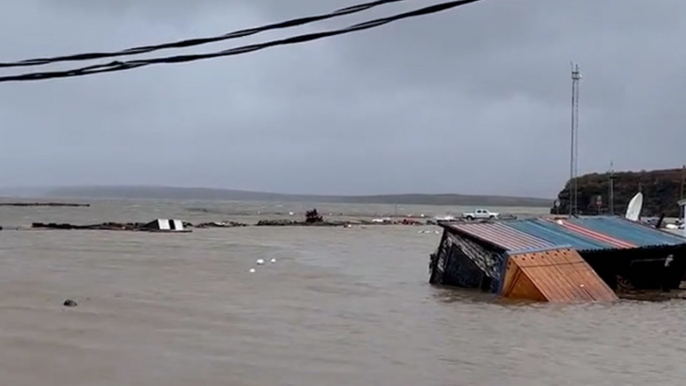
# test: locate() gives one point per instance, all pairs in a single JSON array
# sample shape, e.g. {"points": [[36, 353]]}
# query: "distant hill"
{"points": [[149, 192], [661, 192]]}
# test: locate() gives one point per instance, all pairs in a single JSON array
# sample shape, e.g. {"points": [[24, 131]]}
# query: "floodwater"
{"points": [[338, 307]]}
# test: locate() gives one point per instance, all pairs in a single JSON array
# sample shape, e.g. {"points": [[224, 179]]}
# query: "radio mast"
{"points": [[573, 167]]}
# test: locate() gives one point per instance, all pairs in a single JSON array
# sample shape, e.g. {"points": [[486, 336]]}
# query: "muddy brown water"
{"points": [[339, 307]]}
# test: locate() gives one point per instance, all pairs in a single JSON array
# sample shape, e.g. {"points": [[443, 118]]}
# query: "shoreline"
{"points": [[188, 227], [44, 204]]}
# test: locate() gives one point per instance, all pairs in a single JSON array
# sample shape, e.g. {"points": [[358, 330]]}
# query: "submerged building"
{"points": [[558, 258]]}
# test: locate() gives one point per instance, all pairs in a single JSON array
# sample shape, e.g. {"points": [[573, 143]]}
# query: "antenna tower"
{"points": [[612, 188], [573, 167], [683, 183]]}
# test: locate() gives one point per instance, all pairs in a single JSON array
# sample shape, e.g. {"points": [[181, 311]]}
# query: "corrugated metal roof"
{"points": [[637, 235], [583, 234], [557, 235], [591, 234], [502, 235]]}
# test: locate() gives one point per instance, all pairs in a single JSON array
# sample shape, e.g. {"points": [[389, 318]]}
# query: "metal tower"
{"points": [[573, 167], [682, 191], [612, 189]]}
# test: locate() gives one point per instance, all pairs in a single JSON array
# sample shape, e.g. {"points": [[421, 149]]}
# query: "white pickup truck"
{"points": [[480, 214]]}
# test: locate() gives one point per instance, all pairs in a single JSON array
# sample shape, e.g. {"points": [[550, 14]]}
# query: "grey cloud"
{"points": [[475, 100]]}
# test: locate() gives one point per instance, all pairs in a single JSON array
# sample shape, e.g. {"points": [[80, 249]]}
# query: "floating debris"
{"points": [[159, 225], [299, 223], [260, 262], [58, 204], [221, 224], [272, 261], [70, 303], [252, 270]]}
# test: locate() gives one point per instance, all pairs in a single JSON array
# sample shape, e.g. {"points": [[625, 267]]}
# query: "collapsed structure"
{"points": [[558, 258], [159, 225]]}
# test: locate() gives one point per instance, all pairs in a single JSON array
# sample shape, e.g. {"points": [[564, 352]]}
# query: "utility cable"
{"points": [[199, 41], [132, 64]]}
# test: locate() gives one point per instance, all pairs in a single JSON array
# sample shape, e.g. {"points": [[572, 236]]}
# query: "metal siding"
{"points": [[555, 234], [638, 234], [502, 235]]}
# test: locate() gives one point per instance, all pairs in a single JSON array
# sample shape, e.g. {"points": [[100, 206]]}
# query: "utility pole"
{"points": [[573, 167], [612, 189], [683, 182]]}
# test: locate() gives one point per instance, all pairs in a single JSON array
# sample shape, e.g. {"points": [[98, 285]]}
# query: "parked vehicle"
{"points": [[480, 214]]}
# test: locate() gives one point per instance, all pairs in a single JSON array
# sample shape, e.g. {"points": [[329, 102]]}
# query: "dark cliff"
{"points": [[661, 191]]}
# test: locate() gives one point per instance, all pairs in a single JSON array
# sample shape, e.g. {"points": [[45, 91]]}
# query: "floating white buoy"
{"points": [[252, 270], [272, 261], [291, 213], [260, 261]]}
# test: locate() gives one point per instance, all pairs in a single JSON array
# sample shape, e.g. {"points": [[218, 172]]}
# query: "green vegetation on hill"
{"points": [[661, 192], [174, 193]]}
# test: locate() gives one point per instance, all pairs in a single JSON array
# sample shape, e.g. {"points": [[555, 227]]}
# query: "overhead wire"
{"points": [[199, 41], [132, 64]]}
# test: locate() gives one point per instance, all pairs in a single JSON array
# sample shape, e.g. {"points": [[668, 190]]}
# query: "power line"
{"points": [[132, 64], [199, 41]]}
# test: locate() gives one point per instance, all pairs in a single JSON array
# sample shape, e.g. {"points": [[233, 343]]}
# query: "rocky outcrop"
{"points": [[661, 189]]}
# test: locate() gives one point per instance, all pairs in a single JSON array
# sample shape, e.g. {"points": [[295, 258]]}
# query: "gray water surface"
{"points": [[339, 307]]}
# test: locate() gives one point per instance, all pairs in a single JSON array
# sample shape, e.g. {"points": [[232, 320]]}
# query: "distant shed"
{"points": [[619, 251], [165, 225]]}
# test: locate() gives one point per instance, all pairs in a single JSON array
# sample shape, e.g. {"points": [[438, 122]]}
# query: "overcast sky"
{"points": [[472, 100]]}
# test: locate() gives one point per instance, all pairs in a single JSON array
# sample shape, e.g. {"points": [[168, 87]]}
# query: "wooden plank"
{"points": [[546, 277], [555, 276], [562, 269], [531, 275], [508, 277], [568, 263], [524, 288], [582, 274]]}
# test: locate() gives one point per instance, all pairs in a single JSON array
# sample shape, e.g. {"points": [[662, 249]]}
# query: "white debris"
{"points": [[252, 270], [272, 261], [260, 262]]}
